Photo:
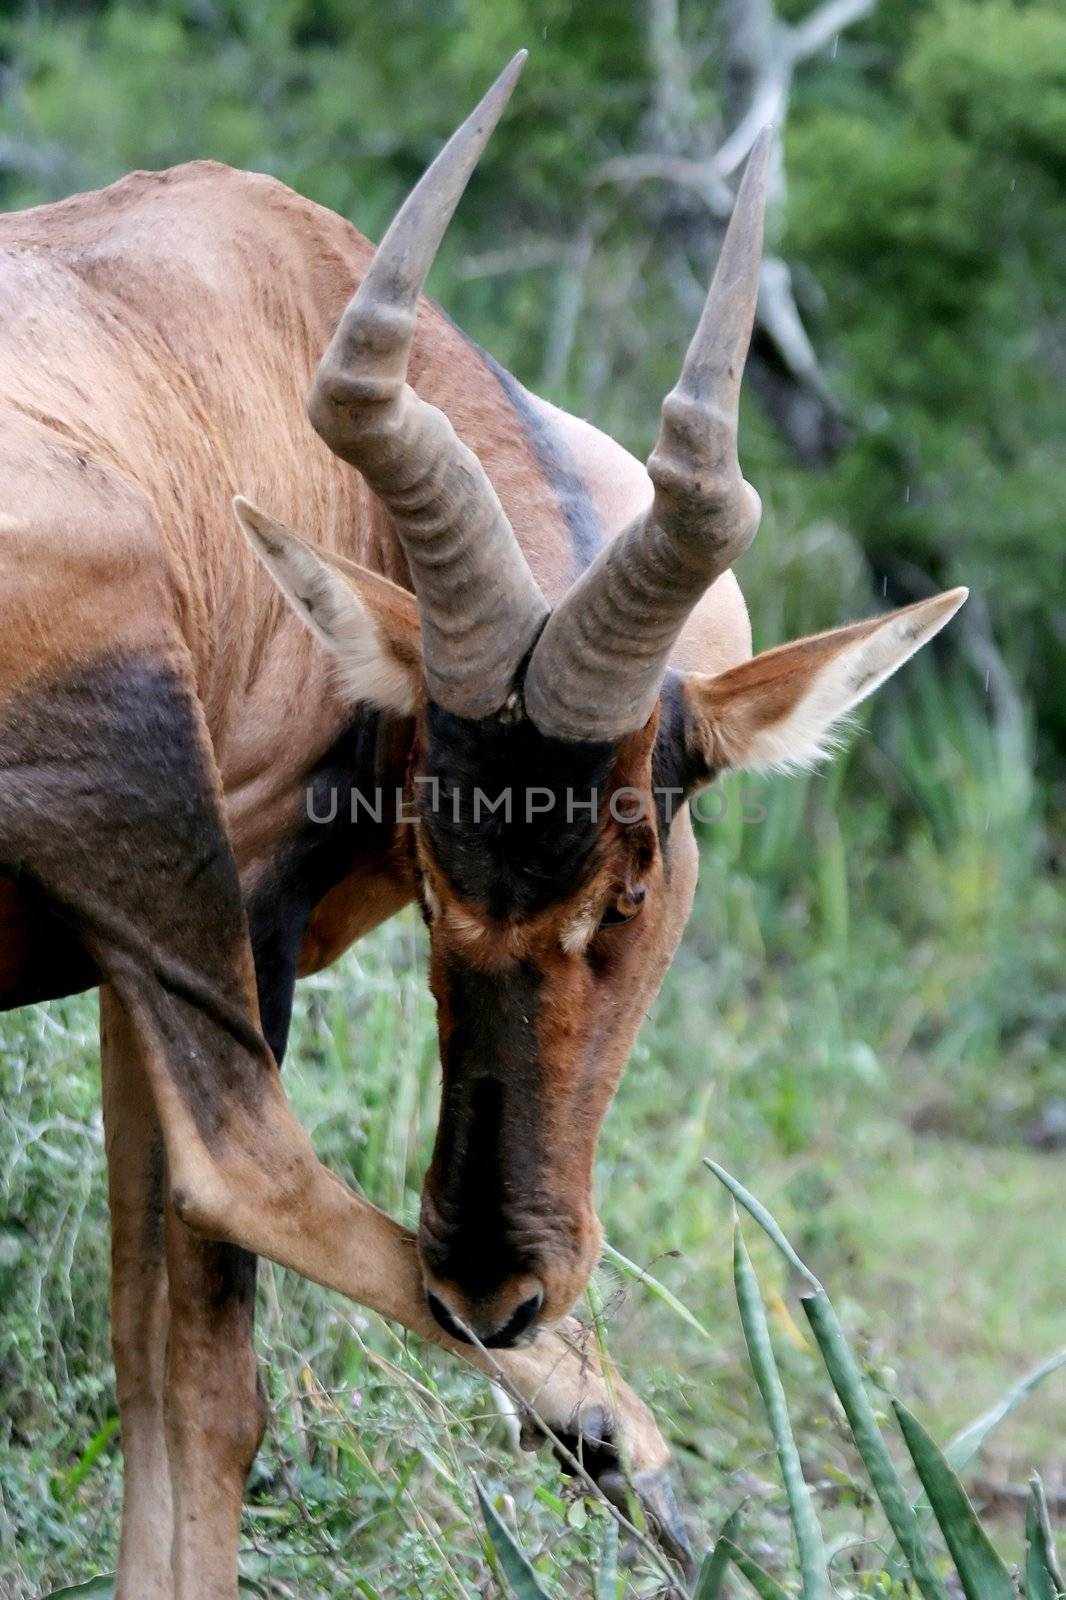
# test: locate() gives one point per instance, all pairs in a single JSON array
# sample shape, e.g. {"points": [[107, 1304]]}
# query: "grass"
{"points": [[865, 1022]]}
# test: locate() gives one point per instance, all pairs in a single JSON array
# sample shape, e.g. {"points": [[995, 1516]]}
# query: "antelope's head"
{"points": [[552, 751]]}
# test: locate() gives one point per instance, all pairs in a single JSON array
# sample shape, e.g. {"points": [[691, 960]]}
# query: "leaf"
{"points": [[659, 1290], [981, 1572], [813, 1576], [767, 1223], [965, 1445], [766, 1587], [516, 1569], [962, 1449], [848, 1382], [1043, 1580], [607, 1573], [713, 1571]]}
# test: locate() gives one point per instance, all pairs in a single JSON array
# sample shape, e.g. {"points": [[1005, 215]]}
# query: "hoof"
{"points": [[658, 1499], [654, 1489]]}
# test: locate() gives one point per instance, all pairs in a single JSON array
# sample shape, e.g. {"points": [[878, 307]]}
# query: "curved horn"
{"points": [[599, 664], [480, 604]]}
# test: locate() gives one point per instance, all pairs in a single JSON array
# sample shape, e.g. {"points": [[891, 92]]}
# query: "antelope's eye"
{"points": [[624, 909]]}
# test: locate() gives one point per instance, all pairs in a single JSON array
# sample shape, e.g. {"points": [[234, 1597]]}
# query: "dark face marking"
{"points": [[482, 1186], [106, 807], [549, 934], [514, 867]]}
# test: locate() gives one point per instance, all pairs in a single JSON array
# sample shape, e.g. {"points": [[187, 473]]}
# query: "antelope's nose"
{"points": [[498, 1319]]}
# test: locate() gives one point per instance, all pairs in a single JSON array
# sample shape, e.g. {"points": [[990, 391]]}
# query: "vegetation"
{"points": [[866, 1019], [912, 1559]]}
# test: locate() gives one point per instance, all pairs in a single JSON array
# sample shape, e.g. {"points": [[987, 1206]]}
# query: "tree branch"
{"points": [[699, 176], [806, 38]]}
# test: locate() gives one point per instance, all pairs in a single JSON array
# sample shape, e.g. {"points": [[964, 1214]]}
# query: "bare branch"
{"points": [[673, 86], [806, 38], [779, 317], [522, 257], [767, 108], [698, 176]]}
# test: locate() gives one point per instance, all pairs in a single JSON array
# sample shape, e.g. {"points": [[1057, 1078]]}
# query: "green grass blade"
{"points": [[981, 1572], [716, 1561], [659, 1290], [848, 1382], [68, 1482], [766, 1587], [607, 1573], [516, 1569], [962, 1449], [770, 1226], [807, 1534], [1043, 1580], [965, 1445]]}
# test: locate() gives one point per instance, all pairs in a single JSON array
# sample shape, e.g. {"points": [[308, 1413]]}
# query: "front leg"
{"points": [[139, 1311], [215, 1411], [337, 1238], [191, 1412]]}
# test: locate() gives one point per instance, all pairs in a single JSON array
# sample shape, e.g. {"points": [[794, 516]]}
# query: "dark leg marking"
{"points": [[106, 804], [40, 958]]}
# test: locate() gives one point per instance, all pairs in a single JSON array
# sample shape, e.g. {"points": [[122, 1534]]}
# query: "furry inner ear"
{"points": [[781, 708], [369, 625]]}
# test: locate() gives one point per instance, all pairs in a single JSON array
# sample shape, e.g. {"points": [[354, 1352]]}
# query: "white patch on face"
{"points": [[577, 934]]}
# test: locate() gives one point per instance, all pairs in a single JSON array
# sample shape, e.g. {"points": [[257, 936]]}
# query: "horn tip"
{"points": [[759, 154], [501, 89]]}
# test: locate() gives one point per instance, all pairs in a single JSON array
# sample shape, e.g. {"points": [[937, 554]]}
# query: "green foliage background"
{"points": [[868, 1011]]}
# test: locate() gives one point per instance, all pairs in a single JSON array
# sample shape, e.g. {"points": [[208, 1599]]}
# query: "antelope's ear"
{"points": [[368, 624], [781, 708]]}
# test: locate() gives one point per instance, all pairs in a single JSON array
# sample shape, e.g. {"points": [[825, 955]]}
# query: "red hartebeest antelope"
{"points": [[507, 602]]}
